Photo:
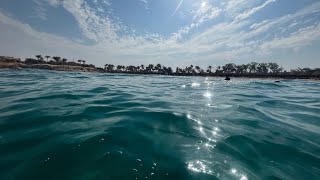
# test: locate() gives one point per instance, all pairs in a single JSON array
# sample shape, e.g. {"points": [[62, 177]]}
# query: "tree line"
{"points": [[56, 60], [230, 69], [252, 69]]}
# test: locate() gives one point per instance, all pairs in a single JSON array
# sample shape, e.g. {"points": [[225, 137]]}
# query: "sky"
{"points": [[170, 32]]}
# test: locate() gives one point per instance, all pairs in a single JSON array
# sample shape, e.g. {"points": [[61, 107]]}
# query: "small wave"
{"points": [[269, 84], [97, 126]]}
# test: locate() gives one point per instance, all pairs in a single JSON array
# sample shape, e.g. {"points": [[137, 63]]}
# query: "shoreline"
{"points": [[18, 64], [68, 68]]}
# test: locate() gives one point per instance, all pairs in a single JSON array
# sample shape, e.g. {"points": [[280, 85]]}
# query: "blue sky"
{"points": [[170, 32]]}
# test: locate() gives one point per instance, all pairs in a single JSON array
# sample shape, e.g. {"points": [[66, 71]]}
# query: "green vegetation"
{"points": [[56, 60], [253, 69]]}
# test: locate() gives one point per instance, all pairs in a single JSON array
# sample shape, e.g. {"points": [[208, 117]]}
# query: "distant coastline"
{"points": [[252, 70], [16, 63]]}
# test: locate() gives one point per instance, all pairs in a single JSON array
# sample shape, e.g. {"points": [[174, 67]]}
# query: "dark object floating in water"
{"points": [[227, 78], [277, 81]]}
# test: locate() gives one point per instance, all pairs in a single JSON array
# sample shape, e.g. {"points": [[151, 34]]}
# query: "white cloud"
{"points": [[145, 3], [204, 11], [302, 37], [54, 3], [252, 11], [39, 11], [221, 41], [233, 7], [93, 26]]}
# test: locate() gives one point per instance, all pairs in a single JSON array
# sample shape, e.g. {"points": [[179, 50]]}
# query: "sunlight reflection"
{"points": [[201, 129], [199, 166], [193, 119], [207, 94], [215, 131], [195, 85], [240, 176], [243, 177]]}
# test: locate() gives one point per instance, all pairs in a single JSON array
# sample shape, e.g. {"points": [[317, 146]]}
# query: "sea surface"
{"points": [[68, 125]]}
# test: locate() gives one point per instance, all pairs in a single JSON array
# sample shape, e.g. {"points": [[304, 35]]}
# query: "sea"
{"points": [[83, 126]]}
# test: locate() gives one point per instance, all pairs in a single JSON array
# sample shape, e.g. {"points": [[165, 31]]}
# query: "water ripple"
{"points": [[67, 125]]}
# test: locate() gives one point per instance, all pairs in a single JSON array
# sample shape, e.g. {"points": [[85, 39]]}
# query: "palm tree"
{"points": [[189, 69], [150, 67], [178, 70], [158, 67], [274, 67], [263, 68], [169, 70], [229, 68], [105, 66], [245, 68], [252, 67], [198, 68], [218, 70], [241, 69], [119, 67], [209, 69], [47, 57], [38, 57], [56, 58], [110, 67]]}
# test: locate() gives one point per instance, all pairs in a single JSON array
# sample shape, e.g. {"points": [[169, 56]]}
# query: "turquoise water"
{"points": [[62, 125]]}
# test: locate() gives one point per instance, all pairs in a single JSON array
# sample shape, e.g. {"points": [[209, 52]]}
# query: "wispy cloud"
{"points": [[204, 11], [93, 26], [40, 10], [250, 12], [302, 37], [220, 41]]}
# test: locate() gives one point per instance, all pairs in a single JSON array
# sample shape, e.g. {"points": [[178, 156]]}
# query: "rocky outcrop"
{"points": [[15, 63]]}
